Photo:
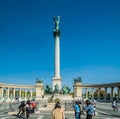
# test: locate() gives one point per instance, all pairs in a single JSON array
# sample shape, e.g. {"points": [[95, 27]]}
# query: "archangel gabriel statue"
{"points": [[56, 21]]}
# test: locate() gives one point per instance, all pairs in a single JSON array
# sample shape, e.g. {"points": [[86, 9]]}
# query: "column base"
{"points": [[58, 81]]}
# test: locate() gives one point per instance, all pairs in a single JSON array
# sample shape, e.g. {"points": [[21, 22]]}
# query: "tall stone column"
{"points": [[118, 92], [105, 94], [99, 93], [1, 92], [31, 93], [14, 92], [92, 93], [112, 93], [25, 93], [56, 32], [19, 92], [8, 92], [86, 92]]}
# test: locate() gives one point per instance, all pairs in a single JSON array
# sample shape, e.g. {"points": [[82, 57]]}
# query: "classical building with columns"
{"points": [[97, 91], [11, 92]]}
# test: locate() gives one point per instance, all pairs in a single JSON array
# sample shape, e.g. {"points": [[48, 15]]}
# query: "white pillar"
{"points": [[105, 93], [112, 92], [25, 93], [2, 92], [20, 93], [92, 93], [31, 93], [57, 57], [56, 33], [8, 92], [99, 93], [14, 92], [119, 92], [86, 91]]}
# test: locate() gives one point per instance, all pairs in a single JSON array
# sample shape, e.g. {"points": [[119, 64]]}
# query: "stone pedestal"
{"points": [[39, 90], [58, 81], [77, 90]]}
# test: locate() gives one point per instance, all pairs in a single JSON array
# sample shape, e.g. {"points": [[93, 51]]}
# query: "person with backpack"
{"points": [[89, 109], [77, 110], [34, 105]]}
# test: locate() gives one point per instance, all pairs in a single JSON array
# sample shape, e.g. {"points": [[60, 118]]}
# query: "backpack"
{"points": [[34, 105]]}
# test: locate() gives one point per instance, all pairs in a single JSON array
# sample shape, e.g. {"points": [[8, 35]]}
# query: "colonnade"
{"points": [[102, 93], [10, 92], [97, 91]]}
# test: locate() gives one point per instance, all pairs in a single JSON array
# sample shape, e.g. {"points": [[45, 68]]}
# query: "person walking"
{"points": [[89, 109], [94, 106], [77, 110], [21, 112], [28, 109], [57, 112], [114, 104]]}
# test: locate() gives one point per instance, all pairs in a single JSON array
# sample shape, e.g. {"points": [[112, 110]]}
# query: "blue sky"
{"points": [[89, 41]]}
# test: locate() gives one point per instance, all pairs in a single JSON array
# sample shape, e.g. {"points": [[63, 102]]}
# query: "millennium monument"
{"points": [[57, 81]]}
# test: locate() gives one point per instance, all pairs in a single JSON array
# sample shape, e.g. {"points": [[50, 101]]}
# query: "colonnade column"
{"points": [[92, 92], [119, 92], [8, 92], [31, 93], [105, 94], [14, 92], [25, 93], [112, 92], [86, 91], [2, 92], [98, 93], [20, 93]]}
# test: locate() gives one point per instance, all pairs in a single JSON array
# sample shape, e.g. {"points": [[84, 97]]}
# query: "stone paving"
{"points": [[104, 111]]}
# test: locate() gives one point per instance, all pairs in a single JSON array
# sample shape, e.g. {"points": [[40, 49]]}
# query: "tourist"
{"points": [[21, 112], [28, 109], [77, 110], [81, 107], [89, 109], [34, 105], [114, 105], [57, 112], [94, 105]]}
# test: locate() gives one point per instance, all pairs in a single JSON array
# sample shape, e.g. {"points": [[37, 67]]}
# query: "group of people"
{"points": [[26, 108], [89, 107]]}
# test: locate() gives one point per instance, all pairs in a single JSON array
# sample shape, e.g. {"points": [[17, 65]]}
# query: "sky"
{"points": [[89, 41]]}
